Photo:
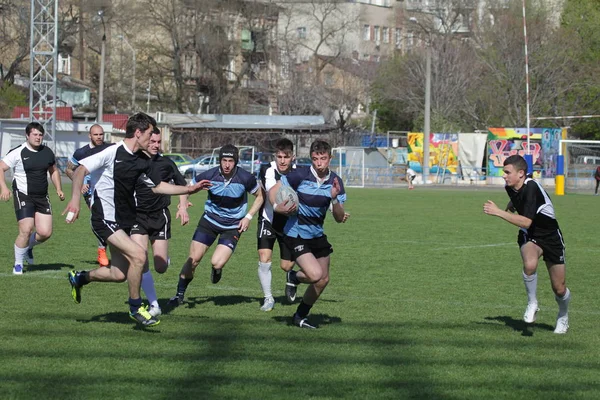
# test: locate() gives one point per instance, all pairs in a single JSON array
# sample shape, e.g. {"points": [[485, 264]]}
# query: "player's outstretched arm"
{"points": [[167, 188], [490, 208]]}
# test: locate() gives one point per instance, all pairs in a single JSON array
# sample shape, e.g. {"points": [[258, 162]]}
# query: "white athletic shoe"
{"points": [[268, 305], [154, 311], [530, 312], [562, 325]]}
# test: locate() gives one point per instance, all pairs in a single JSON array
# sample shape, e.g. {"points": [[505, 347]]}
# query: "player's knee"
{"points": [[286, 266], [529, 267], [138, 259], [313, 276]]}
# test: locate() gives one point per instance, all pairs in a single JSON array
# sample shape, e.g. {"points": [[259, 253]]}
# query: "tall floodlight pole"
{"points": [[427, 111], [148, 102], [43, 65], [528, 155], [100, 111], [427, 123], [122, 37]]}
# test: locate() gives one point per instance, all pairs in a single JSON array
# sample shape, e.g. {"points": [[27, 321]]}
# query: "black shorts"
{"points": [[552, 245], [266, 237], [27, 205], [206, 233], [319, 247], [103, 229], [157, 226]]}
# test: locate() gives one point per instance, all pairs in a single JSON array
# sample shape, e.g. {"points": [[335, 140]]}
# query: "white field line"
{"points": [[475, 246]]}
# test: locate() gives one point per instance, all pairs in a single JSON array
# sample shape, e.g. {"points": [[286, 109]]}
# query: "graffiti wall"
{"points": [[442, 147], [504, 142]]}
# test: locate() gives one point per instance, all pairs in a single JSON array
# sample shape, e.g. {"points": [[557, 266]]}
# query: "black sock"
{"points": [[182, 285], [134, 304], [303, 310], [83, 278], [294, 278]]}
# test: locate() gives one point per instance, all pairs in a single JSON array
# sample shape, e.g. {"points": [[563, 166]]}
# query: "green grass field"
{"points": [[425, 301]]}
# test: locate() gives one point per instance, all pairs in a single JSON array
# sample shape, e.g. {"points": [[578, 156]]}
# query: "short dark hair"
{"points": [[34, 125], [320, 146], [284, 145], [517, 161], [156, 131], [141, 121]]}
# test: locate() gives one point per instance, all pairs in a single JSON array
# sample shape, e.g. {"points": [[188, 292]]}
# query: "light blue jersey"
{"points": [[227, 201], [314, 196]]}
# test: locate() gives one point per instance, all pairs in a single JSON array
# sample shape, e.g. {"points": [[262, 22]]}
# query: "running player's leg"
{"points": [[25, 226], [147, 279], [265, 239], [530, 254], [197, 251]]}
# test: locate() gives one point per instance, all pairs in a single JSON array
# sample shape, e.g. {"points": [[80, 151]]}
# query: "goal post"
{"points": [[580, 159], [349, 164]]}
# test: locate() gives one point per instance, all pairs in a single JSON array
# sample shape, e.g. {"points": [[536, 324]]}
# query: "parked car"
{"points": [[200, 164], [253, 165], [179, 158]]}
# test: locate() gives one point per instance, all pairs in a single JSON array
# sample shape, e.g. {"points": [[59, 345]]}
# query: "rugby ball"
{"points": [[286, 193]]}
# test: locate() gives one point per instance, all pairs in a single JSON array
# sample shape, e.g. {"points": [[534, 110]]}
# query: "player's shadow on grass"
{"points": [[116, 317], [519, 325], [192, 302], [48, 267], [318, 320]]}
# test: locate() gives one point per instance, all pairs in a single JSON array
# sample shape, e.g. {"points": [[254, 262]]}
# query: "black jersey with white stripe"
{"points": [[114, 172], [163, 169], [30, 168], [533, 202], [269, 176]]}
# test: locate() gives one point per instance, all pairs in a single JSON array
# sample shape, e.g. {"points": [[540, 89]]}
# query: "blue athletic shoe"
{"points": [[18, 270]]}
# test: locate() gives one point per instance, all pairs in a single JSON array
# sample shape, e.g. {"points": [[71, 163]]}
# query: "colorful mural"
{"points": [[442, 146], [543, 146]]}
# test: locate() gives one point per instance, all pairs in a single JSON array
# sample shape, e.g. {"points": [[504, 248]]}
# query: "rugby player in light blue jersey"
{"points": [[225, 216], [319, 190]]}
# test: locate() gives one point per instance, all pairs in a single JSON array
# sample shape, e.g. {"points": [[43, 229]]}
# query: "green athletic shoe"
{"points": [[143, 317], [75, 288]]}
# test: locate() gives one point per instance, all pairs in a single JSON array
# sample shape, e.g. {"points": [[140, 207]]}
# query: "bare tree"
{"points": [[14, 38]]}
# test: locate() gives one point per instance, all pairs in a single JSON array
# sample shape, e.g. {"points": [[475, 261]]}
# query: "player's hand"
{"points": [[243, 225], [346, 216], [61, 195], [85, 188], [490, 208], [287, 208], [203, 184], [183, 215], [72, 207], [5, 194], [335, 188]]}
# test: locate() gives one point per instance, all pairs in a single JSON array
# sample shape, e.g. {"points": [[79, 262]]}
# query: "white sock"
{"points": [[32, 241], [148, 288], [563, 303], [19, 254], [264, 276], [531, 287]]}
